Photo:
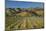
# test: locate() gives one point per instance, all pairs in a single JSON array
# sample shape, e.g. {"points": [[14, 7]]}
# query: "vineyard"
{"points": [[24, 20]]}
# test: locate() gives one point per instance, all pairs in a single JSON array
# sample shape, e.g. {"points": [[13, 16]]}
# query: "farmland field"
{"points": [[20, 22]]}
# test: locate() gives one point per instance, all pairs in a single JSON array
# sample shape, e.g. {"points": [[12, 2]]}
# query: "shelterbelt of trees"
{"points": [[32, 11]]}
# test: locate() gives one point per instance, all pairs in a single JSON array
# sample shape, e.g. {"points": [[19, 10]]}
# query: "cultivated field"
{"points": [[24, 20]]}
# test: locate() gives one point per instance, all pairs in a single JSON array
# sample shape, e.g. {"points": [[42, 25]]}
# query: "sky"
{"points": [[22, 4]]}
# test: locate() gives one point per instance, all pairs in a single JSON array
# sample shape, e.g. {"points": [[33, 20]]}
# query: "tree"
{"points": [[19, 9]]}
